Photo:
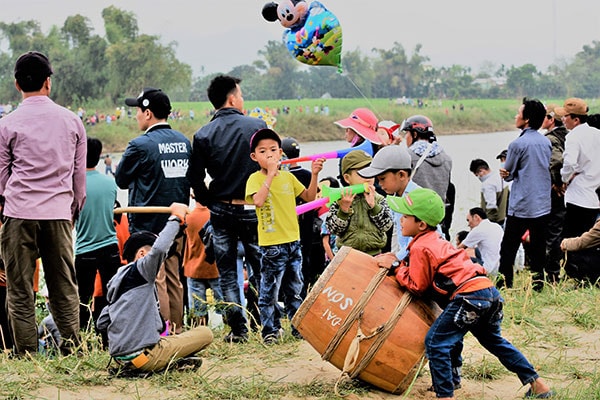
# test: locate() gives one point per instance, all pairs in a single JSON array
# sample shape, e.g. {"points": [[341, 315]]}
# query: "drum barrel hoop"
{"points": [[354, 314], [388, 327]]}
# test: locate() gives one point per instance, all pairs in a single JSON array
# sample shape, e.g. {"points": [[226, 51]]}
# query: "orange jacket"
{"points": [[434, 268], [194, 263]]}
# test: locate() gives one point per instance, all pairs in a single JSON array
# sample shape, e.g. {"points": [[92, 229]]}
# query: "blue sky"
{"points": [[216, 35]]}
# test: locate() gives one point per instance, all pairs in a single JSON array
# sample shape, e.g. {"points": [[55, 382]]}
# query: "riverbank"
{"points": [[306, 125]]}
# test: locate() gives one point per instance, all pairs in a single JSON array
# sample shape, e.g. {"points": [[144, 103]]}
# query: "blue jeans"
{"points": [[197, 295], [232, 223], [281, 267], [480, 313]]}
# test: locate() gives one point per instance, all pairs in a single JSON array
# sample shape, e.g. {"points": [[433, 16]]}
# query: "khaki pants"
{"points": [[176, 346], [23, 241], [170, 288]]}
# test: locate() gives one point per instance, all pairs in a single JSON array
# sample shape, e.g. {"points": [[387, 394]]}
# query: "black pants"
{"points": [[106, 261], [556, 221], [579, 220], [514, 230]]}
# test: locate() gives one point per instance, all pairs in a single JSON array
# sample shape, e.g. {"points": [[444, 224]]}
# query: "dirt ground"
{"points": [[305, 366]]}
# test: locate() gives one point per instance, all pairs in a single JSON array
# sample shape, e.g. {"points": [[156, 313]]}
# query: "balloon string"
{"points": [[372, 106]]}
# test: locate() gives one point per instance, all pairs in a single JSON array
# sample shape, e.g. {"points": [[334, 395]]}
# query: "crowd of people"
{"points": [[395, 202]]}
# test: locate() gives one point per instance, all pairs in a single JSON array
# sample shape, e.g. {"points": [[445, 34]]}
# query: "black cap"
{"points": [[136, 241], [502, 154], [290, 147], [32, 69], [153, 99], [261, 134]]}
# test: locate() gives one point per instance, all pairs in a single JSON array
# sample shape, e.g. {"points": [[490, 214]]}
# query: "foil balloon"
{"points": [[313, 35]]}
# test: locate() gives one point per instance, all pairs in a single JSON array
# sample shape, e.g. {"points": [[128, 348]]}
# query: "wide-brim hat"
{"points": [[363, 122]]}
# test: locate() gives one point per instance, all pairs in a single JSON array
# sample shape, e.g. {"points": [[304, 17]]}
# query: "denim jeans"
{"points": [[281, 267], [232, 223], [480, 313], [197, 295]]}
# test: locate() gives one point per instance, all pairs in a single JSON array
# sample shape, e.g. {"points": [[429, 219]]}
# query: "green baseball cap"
{"points": [[424, 204]]}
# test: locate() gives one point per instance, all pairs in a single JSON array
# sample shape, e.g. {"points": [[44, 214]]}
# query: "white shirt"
{"points": [[487, 237], [491, 185], [581, 165]]}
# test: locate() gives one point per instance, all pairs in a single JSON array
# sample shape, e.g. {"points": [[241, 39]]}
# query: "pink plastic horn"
{"points": [[365, 146]]}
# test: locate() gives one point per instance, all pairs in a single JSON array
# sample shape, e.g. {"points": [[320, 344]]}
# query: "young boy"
{"points": [[274, 193], [132, 319], [471, 302], [359, 220]]}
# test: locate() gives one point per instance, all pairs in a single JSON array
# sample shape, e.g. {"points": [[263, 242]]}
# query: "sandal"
{"points": [[546, 395]]}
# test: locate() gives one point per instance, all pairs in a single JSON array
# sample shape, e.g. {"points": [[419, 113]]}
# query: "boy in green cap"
{"points": [[436, 269]]}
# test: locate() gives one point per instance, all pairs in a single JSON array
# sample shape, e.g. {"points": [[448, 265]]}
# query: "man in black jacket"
{"points": [[221, 148], [153, 168]]}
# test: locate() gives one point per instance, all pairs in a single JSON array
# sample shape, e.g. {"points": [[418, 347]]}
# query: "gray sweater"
{"points": [[131, 317]]}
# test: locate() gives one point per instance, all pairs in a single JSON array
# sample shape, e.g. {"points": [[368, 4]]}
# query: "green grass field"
{"points": [[483, 115]]}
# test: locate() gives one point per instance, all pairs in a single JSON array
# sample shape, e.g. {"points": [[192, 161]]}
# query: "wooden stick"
{"points": [[143, 210]]}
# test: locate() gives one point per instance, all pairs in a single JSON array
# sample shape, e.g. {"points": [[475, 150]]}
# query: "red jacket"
{"points": [[434, 268]]}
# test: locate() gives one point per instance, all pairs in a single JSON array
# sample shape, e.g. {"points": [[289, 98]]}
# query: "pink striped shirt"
{"points": [[42, 161]]}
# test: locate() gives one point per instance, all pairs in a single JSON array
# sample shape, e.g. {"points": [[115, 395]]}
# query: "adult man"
{"points": [[96, 245], [222, 149], [486, 236], [153, 168], [42, 177], [527, 161], [556, 133], [494, 192], [581, 168], [432, 167]]}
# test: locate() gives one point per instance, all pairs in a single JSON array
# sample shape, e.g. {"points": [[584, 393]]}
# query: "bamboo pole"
{"points": [[143, 210]]}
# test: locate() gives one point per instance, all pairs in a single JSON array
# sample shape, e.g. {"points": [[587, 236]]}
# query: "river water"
{"points": [[461, 148]]}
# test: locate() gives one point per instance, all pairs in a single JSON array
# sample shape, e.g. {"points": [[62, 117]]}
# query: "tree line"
{"points": [[107, 69]]}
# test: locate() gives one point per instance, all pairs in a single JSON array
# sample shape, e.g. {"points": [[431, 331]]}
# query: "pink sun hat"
{"points": [[363, 122]]}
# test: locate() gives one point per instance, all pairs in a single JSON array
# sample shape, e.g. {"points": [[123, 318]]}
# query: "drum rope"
{"points": [[382, 334], [354, 314]]}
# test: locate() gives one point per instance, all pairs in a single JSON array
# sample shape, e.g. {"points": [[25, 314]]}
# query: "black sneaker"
{"points": [[432, 389], [187, 363], [232, 338], [271, 339]]}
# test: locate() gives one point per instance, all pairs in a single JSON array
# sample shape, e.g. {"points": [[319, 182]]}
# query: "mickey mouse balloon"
{"points": [[313, 35]]}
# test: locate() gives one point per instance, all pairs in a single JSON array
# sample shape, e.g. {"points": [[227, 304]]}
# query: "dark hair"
{"points": [[334, 183], [557, 122], [478, 211], [477, 164], [534, 111], [461, 236], [220, 87], [593, 120], [31, 71], [94, 149]]}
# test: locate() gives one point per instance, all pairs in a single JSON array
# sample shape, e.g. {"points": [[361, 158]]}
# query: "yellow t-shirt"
{"points": [[277, 219]]}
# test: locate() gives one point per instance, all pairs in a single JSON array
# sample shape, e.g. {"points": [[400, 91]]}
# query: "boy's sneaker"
{"points": [[232, 338], [271, 339], [187, 363]]}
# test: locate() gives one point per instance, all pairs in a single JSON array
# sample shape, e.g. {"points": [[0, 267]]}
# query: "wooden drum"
{"points": [[361, 321]]}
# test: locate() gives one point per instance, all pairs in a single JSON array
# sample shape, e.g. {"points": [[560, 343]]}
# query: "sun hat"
{"points": [[363, 122], [390, 127], [573, 105], [355, 159], [423, 203], [152, 99], [261, 134], [552, 110], [390, 157], [136, 241]]}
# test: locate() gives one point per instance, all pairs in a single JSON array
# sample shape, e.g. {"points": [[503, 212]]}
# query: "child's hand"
{"points": [[272, 166], [345, 201], [370, 196], [317, 166], [178, 209], [386, 260]]}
